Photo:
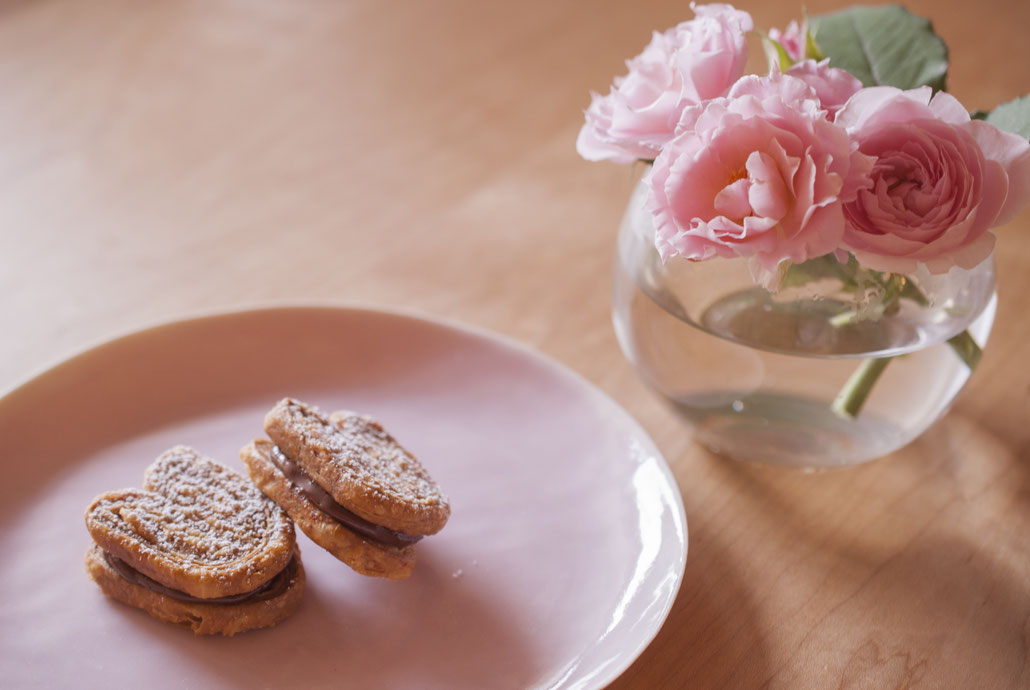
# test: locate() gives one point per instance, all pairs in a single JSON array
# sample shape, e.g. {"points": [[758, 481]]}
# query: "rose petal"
{"points": [[879, 106], [1013, 153], [947, 108], [732, 201]]}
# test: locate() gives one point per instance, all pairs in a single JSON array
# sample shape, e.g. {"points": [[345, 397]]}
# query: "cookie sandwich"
{"points": [[199, 546], [352, 488]]}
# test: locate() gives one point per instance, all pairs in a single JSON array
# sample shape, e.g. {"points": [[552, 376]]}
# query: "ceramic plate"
{"points": [[561, 559]]}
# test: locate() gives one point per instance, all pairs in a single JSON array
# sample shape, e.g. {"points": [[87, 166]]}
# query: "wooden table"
{"points": [[164, 159]]}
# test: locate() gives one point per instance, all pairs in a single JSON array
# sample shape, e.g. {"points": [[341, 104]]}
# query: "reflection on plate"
{"points": [[562, 557]]}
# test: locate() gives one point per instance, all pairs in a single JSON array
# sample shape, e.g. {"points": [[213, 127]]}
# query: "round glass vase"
{"points": [[836, 366]]}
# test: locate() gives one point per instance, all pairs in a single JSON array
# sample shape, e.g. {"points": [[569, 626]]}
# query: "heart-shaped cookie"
{"points": [[196, 535]]}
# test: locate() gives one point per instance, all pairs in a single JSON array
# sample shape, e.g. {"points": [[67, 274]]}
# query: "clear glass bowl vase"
{"points": [[822, 372]]}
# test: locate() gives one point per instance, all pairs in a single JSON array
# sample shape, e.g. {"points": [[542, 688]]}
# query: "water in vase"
{"points": [[756, 377]]}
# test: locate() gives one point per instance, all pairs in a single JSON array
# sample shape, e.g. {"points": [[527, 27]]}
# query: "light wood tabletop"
{"points": [[167, 159]]}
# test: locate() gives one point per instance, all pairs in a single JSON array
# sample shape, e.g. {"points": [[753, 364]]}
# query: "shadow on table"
{"points": [[908, 570], [913, 569]]}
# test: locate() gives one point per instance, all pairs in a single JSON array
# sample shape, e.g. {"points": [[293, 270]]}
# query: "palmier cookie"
{"points": [[199, 546], [348, 485]]}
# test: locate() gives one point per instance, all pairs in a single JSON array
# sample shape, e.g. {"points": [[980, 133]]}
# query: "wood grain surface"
{"points": [[164, 159]]}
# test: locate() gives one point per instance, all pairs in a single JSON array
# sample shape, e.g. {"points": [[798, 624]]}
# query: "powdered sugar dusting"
{"points": [[378, 457], [355, 451], [193, 517], [208, 511]]}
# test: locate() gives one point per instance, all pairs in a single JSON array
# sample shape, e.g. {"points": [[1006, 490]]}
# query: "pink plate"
{"points": [[563, 554]]}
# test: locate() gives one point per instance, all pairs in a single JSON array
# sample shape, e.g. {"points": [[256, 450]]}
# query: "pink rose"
{"points": [[760, 173], [940, 181], [688, 64], [792, 40], [833, 86]]}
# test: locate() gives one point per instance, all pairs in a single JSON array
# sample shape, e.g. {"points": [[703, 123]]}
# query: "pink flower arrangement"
{"points": [[804, 161]]}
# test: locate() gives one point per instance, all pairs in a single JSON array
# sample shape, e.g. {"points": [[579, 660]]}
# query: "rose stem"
{"points": [[852, 396], [966, 348]]}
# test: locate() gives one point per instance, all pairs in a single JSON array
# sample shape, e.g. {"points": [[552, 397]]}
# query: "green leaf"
{"points": [[812, 50], [1013, 116], [776, 54], [883, 46], [821, 268], [814, 269]]}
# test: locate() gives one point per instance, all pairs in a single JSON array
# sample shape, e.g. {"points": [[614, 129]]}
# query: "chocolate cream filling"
{"points": [[328, 505], [270, 590]]}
